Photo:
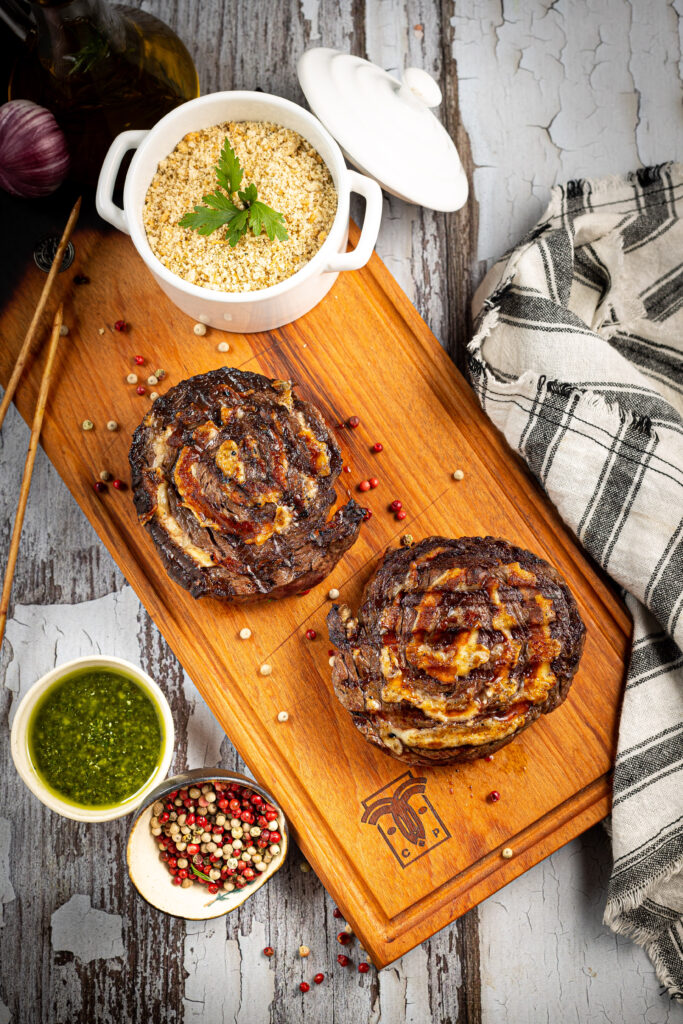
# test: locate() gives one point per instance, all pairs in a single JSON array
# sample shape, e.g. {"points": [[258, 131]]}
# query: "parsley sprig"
{"points": [[220, 209]]}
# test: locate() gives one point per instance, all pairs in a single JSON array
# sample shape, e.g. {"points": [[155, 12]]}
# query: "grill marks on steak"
{"points": [[233, 477], [458, 646]]}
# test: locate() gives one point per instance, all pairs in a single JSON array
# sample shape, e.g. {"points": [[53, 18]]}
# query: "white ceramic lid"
{"points": [[385, 127]]}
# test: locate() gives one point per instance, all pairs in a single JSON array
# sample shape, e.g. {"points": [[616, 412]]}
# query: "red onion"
{"points": [[34, 157]]}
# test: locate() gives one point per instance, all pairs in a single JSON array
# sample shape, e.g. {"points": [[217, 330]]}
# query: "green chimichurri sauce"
{"points": [[95, 737]]}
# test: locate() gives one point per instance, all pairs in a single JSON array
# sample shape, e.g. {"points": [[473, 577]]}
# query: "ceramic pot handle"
{"points": [[104, 199], [359, 256]]}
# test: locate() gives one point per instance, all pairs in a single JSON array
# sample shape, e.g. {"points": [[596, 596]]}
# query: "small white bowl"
{"points": [[150, 875], [22, 757], [267, 308]]}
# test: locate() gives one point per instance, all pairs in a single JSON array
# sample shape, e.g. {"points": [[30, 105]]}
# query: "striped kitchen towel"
{"points": [[578, 359]]}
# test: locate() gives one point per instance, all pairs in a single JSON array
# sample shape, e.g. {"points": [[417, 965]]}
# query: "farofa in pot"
{"points": [[290, 176]]}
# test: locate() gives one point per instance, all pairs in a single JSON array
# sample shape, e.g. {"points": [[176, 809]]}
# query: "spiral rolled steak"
{"points": [[234, 477], [458, 645]]}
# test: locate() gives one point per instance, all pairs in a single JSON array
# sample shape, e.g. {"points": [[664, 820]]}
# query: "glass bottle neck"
{"points": [[71, 33]]}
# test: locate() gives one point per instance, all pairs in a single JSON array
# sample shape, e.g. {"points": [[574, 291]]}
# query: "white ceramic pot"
{"points": [[268, 308], [22, 758]]}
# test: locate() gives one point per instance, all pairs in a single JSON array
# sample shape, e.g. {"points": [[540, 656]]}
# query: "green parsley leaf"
{"points": [[237, 227], [262, 218], [220, 210], [248, 196], [229, 173]]}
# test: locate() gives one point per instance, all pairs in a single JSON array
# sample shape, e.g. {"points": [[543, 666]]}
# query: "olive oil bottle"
{"points": [[101, 69]]}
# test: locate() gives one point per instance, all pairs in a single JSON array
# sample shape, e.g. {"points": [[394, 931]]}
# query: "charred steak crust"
{"points": [[457, 647], [233, 477]]}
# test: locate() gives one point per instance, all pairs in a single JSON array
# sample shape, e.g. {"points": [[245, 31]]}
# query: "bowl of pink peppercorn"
{"points": [[204, 842]]}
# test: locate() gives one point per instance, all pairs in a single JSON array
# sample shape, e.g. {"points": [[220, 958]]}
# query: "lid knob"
{"points": [[420, 84]]}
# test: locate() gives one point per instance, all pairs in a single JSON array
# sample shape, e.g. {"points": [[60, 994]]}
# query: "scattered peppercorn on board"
{"points": [[364, 351]]}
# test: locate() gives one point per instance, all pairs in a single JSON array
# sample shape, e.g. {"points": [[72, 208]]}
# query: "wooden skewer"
{"points": [[33, 326], [28, 470]]}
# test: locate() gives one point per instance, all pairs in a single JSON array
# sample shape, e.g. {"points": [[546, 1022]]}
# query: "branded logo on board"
{"points": [[410, 829]]}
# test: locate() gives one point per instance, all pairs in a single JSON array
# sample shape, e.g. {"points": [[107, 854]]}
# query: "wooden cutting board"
{"points": [[363, 351]]}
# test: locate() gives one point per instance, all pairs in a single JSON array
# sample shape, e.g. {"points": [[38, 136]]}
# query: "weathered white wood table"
{"points": [[535, 92]]}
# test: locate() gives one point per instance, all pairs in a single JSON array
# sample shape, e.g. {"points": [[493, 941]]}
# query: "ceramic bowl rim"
{"points": [[196, 776], [19, 738], [329, 247]]}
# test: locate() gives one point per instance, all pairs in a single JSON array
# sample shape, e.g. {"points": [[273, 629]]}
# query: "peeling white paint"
{"points": [[310, 10], [258, 980], [403, 990], [213, 963], [89, 934], [42, 637], [204, 734], [387, 34], [543, 945], [7, 894], [414, 967], [229, 980], [548, 93]]}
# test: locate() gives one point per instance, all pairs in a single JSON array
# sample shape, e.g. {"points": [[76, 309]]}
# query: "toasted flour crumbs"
{"points": [[290, 176]]}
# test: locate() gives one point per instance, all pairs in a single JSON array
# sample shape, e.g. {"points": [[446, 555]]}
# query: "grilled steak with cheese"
{"points": [[457, 647], [233, 477]]}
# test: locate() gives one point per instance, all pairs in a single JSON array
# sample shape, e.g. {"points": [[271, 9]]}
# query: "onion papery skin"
{"points": [[34, 157]]}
